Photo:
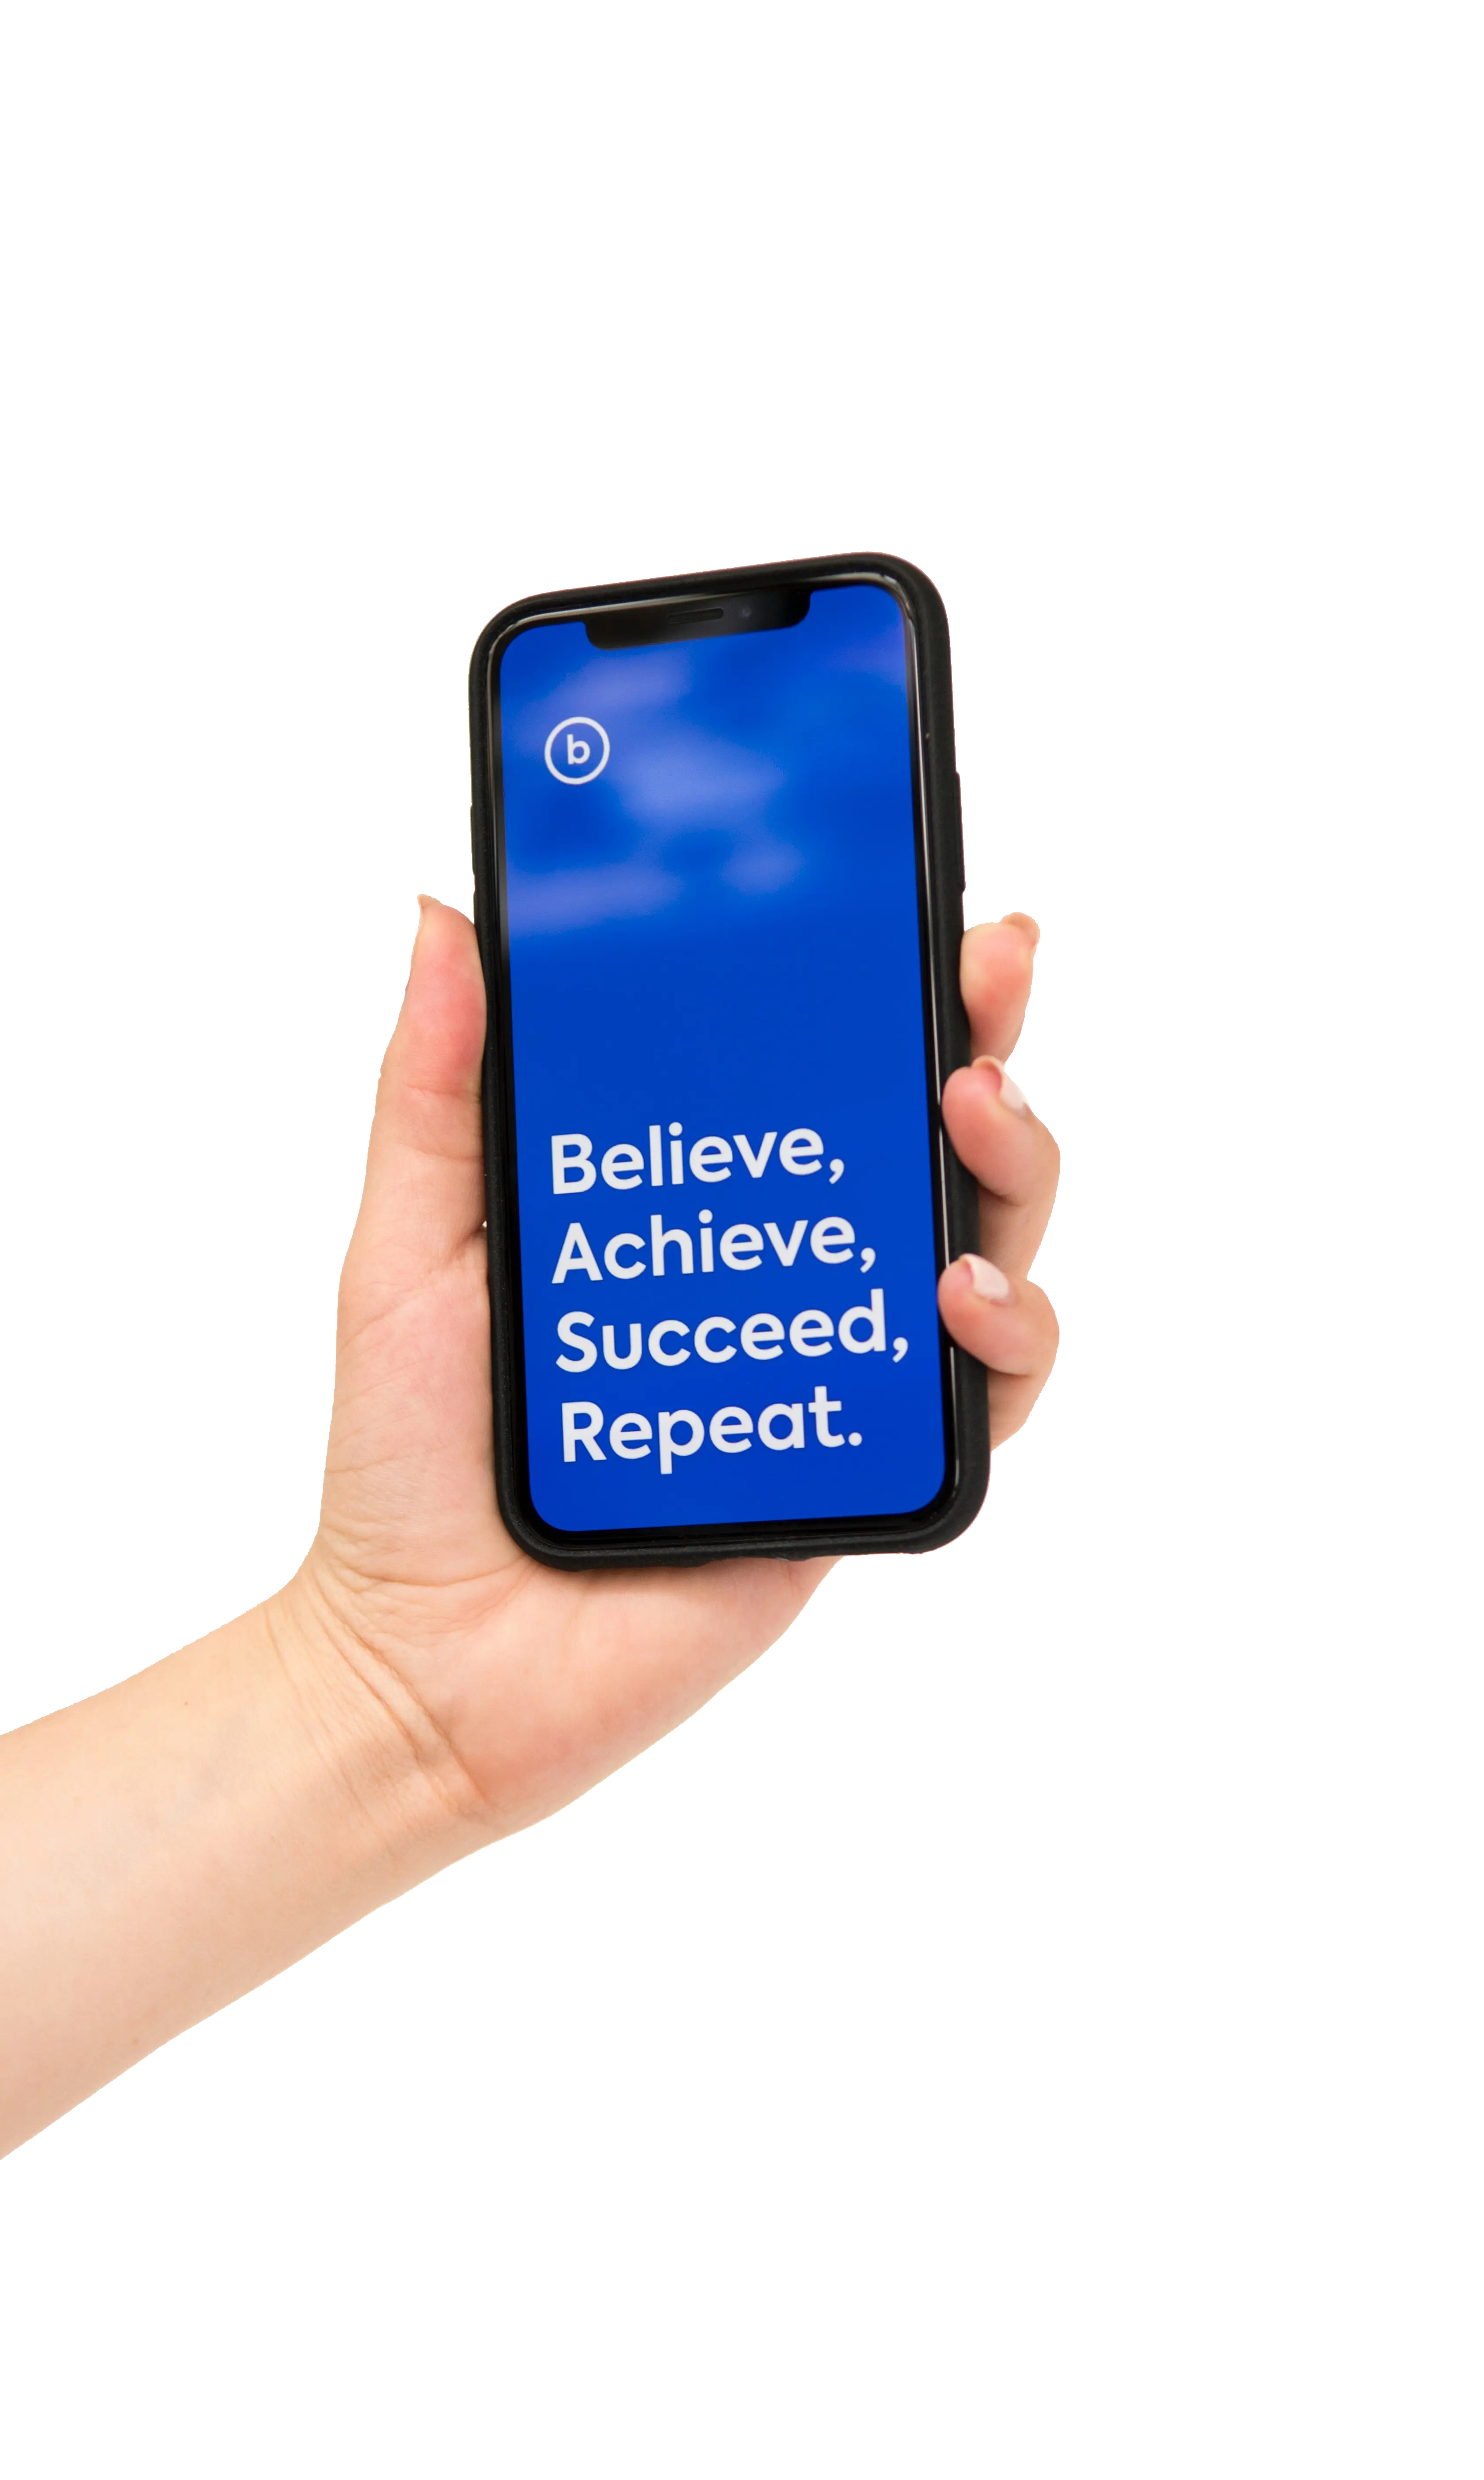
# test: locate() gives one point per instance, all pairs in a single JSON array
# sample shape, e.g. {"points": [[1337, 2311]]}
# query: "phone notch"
{"points": [[670, 624]]}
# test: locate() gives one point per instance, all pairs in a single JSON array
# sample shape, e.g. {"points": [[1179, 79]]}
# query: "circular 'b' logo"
{"points": [[577, 750]]}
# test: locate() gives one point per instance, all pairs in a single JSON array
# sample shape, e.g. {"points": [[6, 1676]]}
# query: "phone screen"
{"points": [[720, 1072]]}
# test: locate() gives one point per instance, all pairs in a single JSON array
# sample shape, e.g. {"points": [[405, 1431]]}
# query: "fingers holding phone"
{"points": [[983, 1299]]}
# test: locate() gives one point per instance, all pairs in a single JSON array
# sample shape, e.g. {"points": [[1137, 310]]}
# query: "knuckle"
{"points": [[1046, 1320], [1051, 1155]]}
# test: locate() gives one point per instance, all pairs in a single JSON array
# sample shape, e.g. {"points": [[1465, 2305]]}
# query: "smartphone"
{"points": [[718, 875]]}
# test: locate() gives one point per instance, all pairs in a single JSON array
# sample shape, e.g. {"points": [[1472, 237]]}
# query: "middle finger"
{"points": [[1014, 1159]]}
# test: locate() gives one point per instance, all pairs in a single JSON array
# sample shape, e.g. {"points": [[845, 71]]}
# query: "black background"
{"points": [[853, 1853]]}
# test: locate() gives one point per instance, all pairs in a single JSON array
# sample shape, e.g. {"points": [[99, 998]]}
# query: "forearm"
{"points": [[170, 1844]]}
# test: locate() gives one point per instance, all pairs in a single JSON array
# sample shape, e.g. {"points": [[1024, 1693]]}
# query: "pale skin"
{"points": [[421, 1687]]}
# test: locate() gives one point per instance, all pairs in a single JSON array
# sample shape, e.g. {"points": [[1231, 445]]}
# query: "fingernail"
{"points": [[987, 1281], [1009, 1091], [423, 901], [1030, 930]]}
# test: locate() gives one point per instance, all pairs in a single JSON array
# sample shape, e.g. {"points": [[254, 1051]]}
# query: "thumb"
{"points": [[425, 1175]]}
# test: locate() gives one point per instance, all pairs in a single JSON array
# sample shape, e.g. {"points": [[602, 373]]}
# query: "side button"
{"points": [[958, 827]]}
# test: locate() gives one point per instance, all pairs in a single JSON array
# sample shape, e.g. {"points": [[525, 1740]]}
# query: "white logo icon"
{"points": [[570, 753]]}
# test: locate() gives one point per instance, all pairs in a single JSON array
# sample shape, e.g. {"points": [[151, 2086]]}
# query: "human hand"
{"points": [[421, 1686], [521, 1684]]}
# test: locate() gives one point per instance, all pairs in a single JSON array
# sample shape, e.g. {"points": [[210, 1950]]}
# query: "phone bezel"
{"points": [[939, 883]]}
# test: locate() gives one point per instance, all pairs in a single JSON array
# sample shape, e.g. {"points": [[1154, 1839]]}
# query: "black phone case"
{"points": [[940, 865]]}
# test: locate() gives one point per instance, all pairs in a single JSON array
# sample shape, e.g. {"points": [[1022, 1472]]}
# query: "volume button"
{"points": [[958, 827]]}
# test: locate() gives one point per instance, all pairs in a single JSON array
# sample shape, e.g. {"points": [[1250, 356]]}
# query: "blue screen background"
{"points": [[721, 929]]}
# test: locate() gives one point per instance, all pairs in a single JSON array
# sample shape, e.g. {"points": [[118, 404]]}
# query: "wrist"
{"points": [[385, 1762]]}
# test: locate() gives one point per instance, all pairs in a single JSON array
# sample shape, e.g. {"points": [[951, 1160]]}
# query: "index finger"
{"points": [[994, 976]]}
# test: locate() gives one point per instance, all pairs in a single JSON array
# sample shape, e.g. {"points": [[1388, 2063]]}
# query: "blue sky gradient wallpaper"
{"points": [[722, 1130]]}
